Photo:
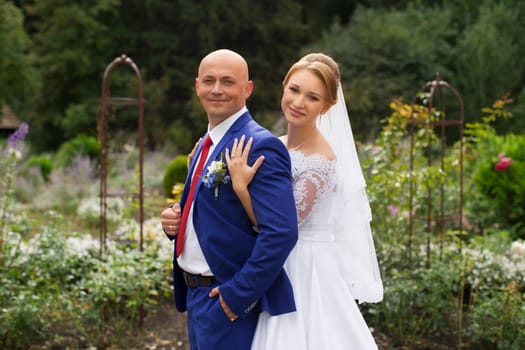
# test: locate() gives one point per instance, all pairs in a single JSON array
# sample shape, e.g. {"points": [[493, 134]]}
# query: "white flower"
{"points": [[517, 250], [216, 175], [130, 229], [215, 166], [81, 245], [89, 209]]}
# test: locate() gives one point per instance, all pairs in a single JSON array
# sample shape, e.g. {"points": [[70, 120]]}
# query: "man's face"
{"points": [[222, 86]]}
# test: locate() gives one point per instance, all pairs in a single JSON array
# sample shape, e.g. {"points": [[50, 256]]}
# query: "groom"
{"points": [[226, 273]]}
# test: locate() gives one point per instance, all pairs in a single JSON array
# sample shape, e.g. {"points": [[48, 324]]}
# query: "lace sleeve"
{"points": [[309, 186]]}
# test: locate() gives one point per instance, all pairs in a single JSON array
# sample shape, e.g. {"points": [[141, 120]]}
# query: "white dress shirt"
{"points": [[192, 259]]}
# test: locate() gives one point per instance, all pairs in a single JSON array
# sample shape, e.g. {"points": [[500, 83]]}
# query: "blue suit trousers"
{"points": [[210, 329]]}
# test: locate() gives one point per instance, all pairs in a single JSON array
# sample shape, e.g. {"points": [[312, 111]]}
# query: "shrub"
{"points": [[498, 320], [79, 146], [176, 172], [11, 154], [419, 303], [43, 163], [386, 166], [498, 176], [67, 186], [56, 288], [89, 210]]}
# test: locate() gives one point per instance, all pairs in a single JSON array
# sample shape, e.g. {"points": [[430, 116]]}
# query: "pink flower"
{"points": [[503, 163], [393, 210]]}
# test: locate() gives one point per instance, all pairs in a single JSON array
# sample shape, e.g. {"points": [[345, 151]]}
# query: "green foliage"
{"points": [[490, 55], [79, 118], [386, 49], [179, 135], [473, 294], [176, 172], [432, 287], [15, 68], [89, 210], [497, 167], [419, 303], [386, 165], [57, 286], [11, 155], [79, 146], [498, 320], [6, 190], [21, 321], [117, 281], [385, 54], [33, 282], [73, 44], [44, 165], [503, 191]]}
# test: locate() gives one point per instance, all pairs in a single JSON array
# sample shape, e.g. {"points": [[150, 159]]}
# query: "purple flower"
{"points": [[393, 210], [16, 138]]}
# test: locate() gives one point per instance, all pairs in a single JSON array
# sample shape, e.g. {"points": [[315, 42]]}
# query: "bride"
{"points": [[334, 262]]}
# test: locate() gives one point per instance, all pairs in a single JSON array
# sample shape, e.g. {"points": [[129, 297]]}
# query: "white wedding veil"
{"points": [[356, 251]]}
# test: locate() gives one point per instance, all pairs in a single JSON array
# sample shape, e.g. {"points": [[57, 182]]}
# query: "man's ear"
{"points": [[249, 88]]}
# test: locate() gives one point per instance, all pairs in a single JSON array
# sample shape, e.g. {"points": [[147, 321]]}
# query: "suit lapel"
{"points": [[227, 139]]}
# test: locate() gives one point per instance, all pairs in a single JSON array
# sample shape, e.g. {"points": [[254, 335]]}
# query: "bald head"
{"points": [[227, 58]]}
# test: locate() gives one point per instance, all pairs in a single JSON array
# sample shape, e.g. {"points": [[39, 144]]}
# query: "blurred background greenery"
{"points": [[53, 54]]}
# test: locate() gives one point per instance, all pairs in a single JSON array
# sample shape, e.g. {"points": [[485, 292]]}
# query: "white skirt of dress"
{"points": [[327, 316]]}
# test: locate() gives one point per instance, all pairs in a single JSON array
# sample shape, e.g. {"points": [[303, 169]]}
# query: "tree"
{"points": [[385, 54], [75, 41], [71, 49], [490, 56], [15, 70]]}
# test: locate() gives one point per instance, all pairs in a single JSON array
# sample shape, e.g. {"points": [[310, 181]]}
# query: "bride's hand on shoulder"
{"points": [[237, 161], [192, 153]]}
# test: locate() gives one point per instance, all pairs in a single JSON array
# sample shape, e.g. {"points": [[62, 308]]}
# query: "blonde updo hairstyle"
{"points": [[322, 66]]}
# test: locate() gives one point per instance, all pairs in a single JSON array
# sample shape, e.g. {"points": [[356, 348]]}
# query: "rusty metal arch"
{"points": [[102, 127], [437, 86]]}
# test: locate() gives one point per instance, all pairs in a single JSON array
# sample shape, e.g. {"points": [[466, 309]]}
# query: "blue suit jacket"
{"points": [[248, 265]]}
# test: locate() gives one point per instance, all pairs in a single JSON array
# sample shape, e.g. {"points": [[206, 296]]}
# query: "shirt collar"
{"points": [[217, 133]]}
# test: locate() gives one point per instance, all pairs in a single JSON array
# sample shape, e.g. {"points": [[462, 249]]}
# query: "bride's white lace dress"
{"points": [[327, 316]]}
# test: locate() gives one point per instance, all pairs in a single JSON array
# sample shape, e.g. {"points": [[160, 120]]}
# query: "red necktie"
{"points": [[189, 198]]}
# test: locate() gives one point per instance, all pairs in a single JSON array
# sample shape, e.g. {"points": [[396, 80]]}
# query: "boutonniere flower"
{"points": [[216, 175]]}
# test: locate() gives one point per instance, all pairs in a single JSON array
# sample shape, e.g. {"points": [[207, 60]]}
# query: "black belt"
{"points": [[198, 280]]}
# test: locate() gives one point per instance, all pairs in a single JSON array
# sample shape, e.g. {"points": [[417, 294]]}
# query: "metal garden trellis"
{"points": [[441, 123], [102, 127], [440, 217]]}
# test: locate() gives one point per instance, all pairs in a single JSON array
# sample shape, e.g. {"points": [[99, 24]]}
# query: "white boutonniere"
{"points": [[216, 175]]}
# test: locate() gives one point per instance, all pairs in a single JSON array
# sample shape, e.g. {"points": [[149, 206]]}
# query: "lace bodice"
{"points": [[314, 190]]}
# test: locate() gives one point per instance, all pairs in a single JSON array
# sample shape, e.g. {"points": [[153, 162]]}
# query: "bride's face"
{"points": [[304, 98]]}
